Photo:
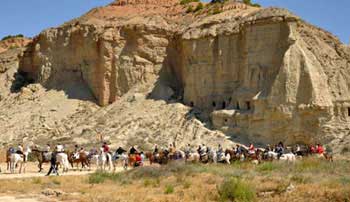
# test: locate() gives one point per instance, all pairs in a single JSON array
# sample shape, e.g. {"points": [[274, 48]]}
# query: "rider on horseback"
{"points": [[220, 154], [59, 148], [132, 150], [20, 151], [319, 149], [251, 149], [279, 149], [188, 150], [76, 151]]}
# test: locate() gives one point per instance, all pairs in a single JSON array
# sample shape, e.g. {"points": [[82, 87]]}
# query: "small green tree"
{"points": [[199, 7], [189, 9]]}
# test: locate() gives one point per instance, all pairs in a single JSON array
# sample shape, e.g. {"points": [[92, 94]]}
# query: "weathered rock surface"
{"points": [[13, 43], [256, 74]]}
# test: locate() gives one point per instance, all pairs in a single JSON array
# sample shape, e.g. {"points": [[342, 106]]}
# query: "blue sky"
{"points": [[29, 17]]}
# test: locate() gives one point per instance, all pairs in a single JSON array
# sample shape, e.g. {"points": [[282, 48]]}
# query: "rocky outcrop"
{"points": [[256, 74], [13, 43]]}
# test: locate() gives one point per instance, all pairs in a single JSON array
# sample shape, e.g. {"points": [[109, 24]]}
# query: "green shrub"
{"points": [[268, 167], [301, 179], [186, 185], [216, 10], [56, 182], [218, 1], [36, 180], [98, 178], [189, 9], [199, 7], [249, 2], [234, 189], [169, 189], [12, 36], [183, 2]]}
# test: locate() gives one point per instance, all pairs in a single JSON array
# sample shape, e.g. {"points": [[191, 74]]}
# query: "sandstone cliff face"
{"points": [[259, 75], [110, 60]]}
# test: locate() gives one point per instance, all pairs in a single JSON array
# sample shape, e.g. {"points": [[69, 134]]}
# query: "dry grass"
{"points": [[310, 179]]}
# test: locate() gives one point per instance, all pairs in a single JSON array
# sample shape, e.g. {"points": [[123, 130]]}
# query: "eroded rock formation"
{"points": [[256, 74]]}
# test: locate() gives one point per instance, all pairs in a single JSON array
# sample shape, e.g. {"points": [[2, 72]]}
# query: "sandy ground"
{"points": [[32, 172], [13, 199]]}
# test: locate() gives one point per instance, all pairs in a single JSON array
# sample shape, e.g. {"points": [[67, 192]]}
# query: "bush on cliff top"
{"points": [[12, 36], [249, 2], [183, 2]]}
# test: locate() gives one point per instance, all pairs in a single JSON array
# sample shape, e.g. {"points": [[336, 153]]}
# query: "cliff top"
{"points": [[13, 42]]}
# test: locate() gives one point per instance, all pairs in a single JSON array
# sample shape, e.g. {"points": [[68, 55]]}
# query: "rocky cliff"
{"points": [[254, 74]]}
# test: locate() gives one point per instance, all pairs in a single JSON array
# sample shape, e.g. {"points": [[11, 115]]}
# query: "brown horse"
{"points": [[160, 158], [132, 160], [40, 157], [8, 160], [83, 159]]}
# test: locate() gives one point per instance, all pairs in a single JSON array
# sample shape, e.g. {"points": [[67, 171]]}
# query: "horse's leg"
{"points": [[39, 166], [24, 167]]}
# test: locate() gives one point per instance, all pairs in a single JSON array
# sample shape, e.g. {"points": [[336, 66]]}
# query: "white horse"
{"points": [[290, 157], [16, 159], [104, 160], [122, 158], [193, 157], [224, 158], [62, 159], [213, 157], [271, 155]]}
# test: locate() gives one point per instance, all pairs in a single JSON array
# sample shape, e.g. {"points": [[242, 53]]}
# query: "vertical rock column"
{"points": [[106, 72]]}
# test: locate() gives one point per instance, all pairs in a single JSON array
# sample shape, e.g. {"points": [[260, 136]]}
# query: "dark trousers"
{"points": [[53, 168]]}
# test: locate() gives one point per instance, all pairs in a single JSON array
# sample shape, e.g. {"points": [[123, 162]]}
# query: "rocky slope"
{"points": [[155, 70], [13, 43]]}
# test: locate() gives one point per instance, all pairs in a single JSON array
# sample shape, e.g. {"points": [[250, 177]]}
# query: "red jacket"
{"points": [[320, 150], [105, 148], [138, 158], [312, 149]]}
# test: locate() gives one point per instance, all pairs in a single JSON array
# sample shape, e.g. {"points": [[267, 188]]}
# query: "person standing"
{"points": [[53, 166]]}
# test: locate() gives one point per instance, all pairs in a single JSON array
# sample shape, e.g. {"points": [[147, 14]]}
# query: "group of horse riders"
{"points": [[164, 154]]}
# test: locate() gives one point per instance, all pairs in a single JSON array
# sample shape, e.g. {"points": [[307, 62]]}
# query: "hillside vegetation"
{"points": [[306, 180]]}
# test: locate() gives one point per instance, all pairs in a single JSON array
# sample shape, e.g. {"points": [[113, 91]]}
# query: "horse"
{"points": [[289, 157], [104, 159], [271, 155], [16, 158], [212, 155], [160, 157], [193, 157], [8, 159], [81, 157], [123, 158], [62, 159], [328, 156], [42, 157]]}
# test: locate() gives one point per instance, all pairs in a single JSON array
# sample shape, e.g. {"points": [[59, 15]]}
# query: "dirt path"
{"points": [[13, 199], [32, 175], [32, 172]]}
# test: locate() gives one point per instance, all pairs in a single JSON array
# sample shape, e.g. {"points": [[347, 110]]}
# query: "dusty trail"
{"points": [[14, 199], [31, 172]]}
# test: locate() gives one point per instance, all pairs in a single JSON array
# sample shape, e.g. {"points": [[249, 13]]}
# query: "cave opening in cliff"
{"points": [[348, 111], [248, 105], [191, 104], [22, 79], [214, 104], [237, 106], [223, 105]]}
